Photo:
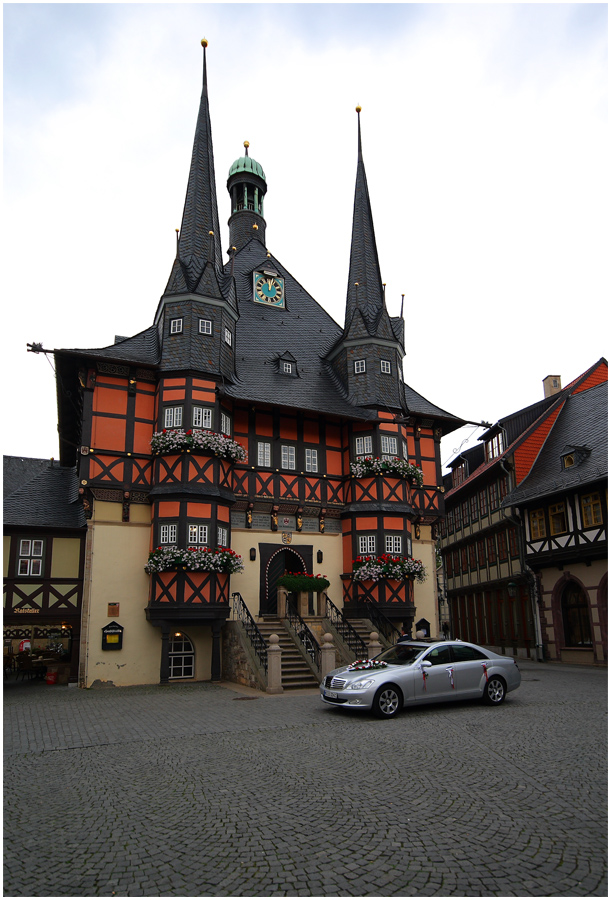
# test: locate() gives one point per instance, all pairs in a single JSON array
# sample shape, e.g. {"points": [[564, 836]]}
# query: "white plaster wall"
{"points": [[425, 593]]}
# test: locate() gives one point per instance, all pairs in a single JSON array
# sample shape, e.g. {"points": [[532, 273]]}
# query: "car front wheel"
{"points": [[495, 690], [387, 702]]}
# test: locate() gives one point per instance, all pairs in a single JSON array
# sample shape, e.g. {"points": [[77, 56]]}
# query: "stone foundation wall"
{"points": [[238, 664]]}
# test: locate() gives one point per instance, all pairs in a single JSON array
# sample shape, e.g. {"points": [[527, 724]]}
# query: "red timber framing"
{"points": [[118, 420]]}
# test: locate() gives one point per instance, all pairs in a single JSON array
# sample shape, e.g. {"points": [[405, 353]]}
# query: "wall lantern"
{"points": [[512, 590], [319, 557], [253, 554]]}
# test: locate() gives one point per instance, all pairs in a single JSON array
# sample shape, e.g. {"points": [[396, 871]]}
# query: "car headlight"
{"points": [[361, 685]]}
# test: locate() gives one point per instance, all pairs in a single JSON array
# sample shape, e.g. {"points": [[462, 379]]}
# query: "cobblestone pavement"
{"points": [[212, 790]]}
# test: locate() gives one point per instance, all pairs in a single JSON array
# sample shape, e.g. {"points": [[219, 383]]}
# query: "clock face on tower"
{"points": [[268, 289]]}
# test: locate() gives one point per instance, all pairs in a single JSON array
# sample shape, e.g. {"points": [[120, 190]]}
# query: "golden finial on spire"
{"points": [[358, 109], [204, 42], [255, 226], [211, 232], [247, 144]]}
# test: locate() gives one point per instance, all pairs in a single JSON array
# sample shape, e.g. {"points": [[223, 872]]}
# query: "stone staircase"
{"points": [[295, 671], [363, 628]]}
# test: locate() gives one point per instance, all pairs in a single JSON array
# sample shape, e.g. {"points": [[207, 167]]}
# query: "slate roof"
{"points": [[368, 297], [40, 493], [581, 423], [143, 348], [263, 335]]}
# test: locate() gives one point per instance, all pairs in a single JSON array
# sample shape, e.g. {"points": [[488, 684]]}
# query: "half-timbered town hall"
{"points": [[241, 439]]}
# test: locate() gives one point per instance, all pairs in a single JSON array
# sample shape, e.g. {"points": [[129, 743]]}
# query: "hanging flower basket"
{"points": [[177, 441], [295, 582], [194, 559], [400, 468], [398, 568], [360, 664]]}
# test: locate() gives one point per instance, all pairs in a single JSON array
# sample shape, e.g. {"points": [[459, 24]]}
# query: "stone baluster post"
{"points": [[327, 655], [281, 603], [274, 665], [374, 647]]}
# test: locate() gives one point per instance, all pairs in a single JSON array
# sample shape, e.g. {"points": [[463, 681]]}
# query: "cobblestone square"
{"points": [[212, 790]]}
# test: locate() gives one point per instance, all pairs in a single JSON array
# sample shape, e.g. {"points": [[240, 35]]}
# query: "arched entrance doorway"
{"points": [[273, 566], [575, 609], [182, 656]]}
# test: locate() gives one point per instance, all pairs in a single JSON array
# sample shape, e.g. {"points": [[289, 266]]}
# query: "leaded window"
{"points": [[264, 454], [311, 460], [198, 535], [557, 518], [591, 510], [287, 456], [30, 557], [537, 524], [202, 417]]}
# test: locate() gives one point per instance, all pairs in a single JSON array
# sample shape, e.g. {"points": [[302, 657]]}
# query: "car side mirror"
{"points": [[426, 663]]}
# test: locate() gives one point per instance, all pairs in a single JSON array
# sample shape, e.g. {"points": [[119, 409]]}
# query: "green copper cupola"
{"points": [[247, 187]]}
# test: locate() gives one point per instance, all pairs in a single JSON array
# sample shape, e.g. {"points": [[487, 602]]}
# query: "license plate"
{"points": [[332, 694]]}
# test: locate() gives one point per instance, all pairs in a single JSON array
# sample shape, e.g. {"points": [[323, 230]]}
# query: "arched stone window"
{"points": [[182, 656], [575, 616]]}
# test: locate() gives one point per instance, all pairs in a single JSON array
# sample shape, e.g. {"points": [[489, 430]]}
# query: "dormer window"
{"points": [[175, 326], [495, 446], [459, 474], [287, 364], [568, 461], [573, 455]]}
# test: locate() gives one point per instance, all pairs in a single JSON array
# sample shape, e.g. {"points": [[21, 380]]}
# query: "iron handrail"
{"points": [[304, 635], [243, 615], [346, 631], [382, 622]]}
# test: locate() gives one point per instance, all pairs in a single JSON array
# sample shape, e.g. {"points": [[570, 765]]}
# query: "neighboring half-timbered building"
{"points": [[524, 538], [245, 434], [44, 560], [562, 504]]}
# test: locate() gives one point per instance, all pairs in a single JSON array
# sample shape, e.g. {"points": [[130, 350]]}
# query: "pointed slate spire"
{"points": [[196, 245], [365, 291]]}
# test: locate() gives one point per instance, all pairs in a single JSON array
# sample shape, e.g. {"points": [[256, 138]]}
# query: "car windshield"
{"points": [[402, 654]]}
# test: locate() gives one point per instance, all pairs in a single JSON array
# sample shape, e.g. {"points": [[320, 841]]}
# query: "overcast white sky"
{"points": [[485, 140]]}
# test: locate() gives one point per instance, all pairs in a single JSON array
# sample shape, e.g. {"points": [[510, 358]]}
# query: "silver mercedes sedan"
{"points": [[413, 673]]}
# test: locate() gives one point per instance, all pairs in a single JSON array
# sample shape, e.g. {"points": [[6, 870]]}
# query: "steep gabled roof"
{"points": [[581, 422], [40, 493]]}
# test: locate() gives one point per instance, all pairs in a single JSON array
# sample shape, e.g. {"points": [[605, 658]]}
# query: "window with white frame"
{"points": [[198, 534], [221, 536], [264, 454], [393, 543], [287, 368], [359, 366], [228, 337], [311, 460], [363, 446], [367, 543], [225, 424], [172, 417], [30, 557], [175, 326], [389, 446], [205, 326], [202, 417], [167, 534], [404, 447], [287, 456], [385, 366]]}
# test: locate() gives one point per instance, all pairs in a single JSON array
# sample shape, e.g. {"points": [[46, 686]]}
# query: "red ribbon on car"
{"points": [[450, 672], [485, 668]]}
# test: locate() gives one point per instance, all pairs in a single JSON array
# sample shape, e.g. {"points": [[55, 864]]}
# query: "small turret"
{"points": [[247, 187]]}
